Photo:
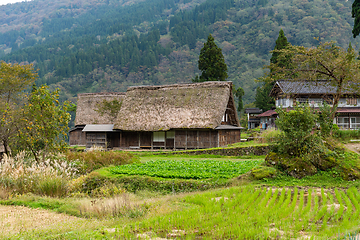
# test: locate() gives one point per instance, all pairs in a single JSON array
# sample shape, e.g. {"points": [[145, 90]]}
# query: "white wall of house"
{"points": [[316, 102]]}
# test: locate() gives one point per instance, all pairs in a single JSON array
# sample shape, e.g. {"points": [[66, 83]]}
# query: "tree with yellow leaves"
{"points": [[14, 80], [44, 122]]}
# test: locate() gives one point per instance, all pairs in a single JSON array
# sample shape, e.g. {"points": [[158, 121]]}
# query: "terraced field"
{"points": [[259, 213]]}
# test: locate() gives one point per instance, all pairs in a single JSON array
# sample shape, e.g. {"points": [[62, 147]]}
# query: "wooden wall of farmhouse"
{"points": [[77, 137], [98, 139], [182, 139], [192, 139], [129, 139], [113, 139], [229, 137]]}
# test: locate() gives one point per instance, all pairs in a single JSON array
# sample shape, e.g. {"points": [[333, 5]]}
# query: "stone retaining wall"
{"points": [[239, 151]]}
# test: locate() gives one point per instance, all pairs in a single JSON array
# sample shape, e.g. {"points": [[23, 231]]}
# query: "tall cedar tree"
{"points": [[355, 12], [211, 63], [262, 98]]}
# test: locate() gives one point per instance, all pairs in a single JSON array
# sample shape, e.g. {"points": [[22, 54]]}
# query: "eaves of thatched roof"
{"points": [[88, 104], [178, 106]]}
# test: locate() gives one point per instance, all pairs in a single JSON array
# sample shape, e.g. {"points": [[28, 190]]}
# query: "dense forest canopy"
{"points": [[108, 45]]}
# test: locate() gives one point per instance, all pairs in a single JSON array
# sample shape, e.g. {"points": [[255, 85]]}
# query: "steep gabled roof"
{"points": [[188, 106], [88, 104]]}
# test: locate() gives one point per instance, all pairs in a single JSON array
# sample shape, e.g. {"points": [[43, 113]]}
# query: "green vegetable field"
{"points": [[188, 169]]}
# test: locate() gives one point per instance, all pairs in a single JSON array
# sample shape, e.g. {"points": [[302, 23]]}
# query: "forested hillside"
{"points": [[108, 45]]}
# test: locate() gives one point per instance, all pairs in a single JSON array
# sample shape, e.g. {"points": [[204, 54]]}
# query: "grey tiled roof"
{"points": [[306, 87], [253, 110]]}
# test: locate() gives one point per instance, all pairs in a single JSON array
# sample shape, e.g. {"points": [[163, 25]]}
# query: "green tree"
{"points": [[297, 127], [14, 79], [281, 43], [262, 98], [44, 123], [211, 63], [239, 93], [355, 12], [340, 67]]}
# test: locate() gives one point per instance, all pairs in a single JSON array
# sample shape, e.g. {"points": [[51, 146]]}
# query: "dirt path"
{"points": [[16, 219], [353, 146]]}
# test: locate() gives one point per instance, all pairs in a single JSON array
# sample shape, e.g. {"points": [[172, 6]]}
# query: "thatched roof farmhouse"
{"points": [[196, 115]]}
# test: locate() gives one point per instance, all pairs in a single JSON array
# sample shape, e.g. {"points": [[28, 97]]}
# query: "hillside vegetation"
{"points": [[109, 45]]}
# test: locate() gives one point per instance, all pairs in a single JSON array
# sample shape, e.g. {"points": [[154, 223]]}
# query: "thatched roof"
{"points": [[90, 108], [188, 106]]}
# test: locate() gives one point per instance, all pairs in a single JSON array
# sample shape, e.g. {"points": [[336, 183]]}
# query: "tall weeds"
{"points": [[19, 175], [92, 160]]}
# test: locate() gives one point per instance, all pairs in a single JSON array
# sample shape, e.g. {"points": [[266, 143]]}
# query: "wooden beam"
{"points": [[139, 139], [197, 139], [174, 140], [152, 140]]}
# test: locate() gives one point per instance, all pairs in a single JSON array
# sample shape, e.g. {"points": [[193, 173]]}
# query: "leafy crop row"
{"points": [[187, 169], [260, 213]]}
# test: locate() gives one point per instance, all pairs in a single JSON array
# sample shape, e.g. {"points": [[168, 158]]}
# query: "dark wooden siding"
{"points": [[192, 141], [77, 137], [145, 139], [129, 139], [96, 139], [184, 139], [113, 139], [229, 137], [180, 139]]}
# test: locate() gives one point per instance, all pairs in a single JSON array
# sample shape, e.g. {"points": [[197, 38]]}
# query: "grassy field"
{"points": [[322, 206]]}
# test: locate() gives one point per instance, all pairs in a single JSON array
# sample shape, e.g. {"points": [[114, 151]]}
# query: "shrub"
{"points": [[92, 160], [346, 135], [262, 172], [95, 185], [107, 190], [52, 186], [325, 119], [298, 131], [269, 135]]}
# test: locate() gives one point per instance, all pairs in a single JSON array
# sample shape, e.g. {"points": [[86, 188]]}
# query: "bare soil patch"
{"points": [[355, 146], [16, 219]]}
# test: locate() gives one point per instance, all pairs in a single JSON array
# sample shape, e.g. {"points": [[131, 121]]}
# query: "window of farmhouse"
{"points": [[351, 101], [159, 136], [170, 134]]}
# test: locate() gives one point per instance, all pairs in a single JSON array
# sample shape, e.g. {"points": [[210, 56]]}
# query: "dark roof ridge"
{"points": [[181, 85], [102, 93]]}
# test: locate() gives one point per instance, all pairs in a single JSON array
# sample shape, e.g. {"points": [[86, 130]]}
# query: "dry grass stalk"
{"points": [[21, 175], [118, 206]]}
